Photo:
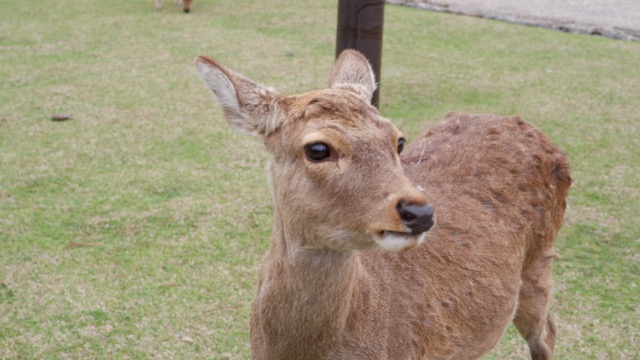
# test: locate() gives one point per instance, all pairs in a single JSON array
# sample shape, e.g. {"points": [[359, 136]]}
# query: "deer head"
{"points": [[334, 166]]}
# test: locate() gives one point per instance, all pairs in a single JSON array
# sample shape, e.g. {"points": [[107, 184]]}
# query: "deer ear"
{"points": [[248, 107], [352, 71]]}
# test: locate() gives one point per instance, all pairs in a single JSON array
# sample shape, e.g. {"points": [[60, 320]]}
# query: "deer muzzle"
{"points": [[418, 218]]}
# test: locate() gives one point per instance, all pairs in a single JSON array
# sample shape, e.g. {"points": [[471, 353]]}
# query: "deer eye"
{"points": [[401, 142], [317, 152]]}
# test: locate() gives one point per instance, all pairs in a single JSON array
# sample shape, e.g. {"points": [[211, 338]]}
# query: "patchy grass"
{"points": [[135, 229]]}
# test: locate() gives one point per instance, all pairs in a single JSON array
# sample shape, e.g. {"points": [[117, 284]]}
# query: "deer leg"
{"points": [[187, 6], [158, 5], [532, 319]]}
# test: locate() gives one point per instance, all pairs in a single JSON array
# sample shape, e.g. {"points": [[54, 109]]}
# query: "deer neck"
{"points": [[305, 296]]}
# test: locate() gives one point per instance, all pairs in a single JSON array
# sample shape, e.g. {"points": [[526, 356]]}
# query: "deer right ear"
{"points": [[352, 71], [248, 107]]}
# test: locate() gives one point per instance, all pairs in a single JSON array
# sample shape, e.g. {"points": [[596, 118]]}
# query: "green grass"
{"points": [[135, 230]]}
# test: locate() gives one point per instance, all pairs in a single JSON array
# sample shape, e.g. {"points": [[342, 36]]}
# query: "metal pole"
{"points": [[360, 27]]}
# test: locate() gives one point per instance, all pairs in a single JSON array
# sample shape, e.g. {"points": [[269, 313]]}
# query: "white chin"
{"points": [[397, 242]]}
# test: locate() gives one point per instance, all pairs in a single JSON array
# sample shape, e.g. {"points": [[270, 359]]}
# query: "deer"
{"points": [[382, 252], [186, 5]]}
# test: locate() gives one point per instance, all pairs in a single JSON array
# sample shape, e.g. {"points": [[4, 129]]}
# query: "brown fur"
{"points": [[499, 187]]}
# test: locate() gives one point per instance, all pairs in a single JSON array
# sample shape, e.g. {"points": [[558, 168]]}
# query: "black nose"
{"points": [[419, 218]]}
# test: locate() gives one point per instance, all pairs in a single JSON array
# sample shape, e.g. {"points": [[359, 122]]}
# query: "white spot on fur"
{"points": [[422, 153]]}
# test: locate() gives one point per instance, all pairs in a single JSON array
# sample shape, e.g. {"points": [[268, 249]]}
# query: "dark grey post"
{"points": [[360, 27]]}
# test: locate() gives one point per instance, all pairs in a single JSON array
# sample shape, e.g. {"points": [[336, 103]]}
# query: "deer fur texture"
{"points": [[339, 281], [186, 5]]}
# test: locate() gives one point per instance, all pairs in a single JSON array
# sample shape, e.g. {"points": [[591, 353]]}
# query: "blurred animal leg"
{"points": [[532, 319]]}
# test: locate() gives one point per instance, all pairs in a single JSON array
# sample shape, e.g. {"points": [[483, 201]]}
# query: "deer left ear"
{"points": [[248, 107], [352, 71]]}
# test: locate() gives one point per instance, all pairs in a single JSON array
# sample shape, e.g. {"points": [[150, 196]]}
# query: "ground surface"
{"points": [[619, 19]]}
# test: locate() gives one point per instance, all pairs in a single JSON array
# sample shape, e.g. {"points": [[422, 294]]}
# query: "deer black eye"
{"points": [[401, 142], [317, 152]]}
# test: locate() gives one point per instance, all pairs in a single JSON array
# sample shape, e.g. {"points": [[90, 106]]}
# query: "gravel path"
{"points": [[617, 19]]}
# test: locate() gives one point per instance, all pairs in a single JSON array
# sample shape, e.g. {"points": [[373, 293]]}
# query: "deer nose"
{"points": [[418, 218]]}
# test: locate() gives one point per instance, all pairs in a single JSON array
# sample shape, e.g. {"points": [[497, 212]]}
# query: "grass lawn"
{"points": [[135, 229]]}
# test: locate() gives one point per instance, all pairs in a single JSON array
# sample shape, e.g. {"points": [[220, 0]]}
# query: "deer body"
{"points": [[186, 5], [337, 282]]}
